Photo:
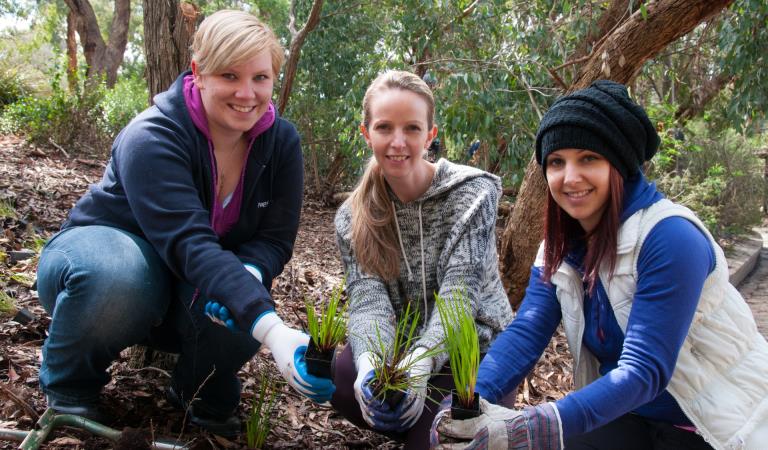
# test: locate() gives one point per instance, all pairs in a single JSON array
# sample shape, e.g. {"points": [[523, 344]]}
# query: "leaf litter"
{"points": [[41, 189]]}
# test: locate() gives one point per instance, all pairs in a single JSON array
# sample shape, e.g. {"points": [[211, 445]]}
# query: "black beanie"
{"points": [[601, 118]]}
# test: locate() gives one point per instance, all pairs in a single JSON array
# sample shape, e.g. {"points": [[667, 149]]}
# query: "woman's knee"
{"points": [[108, 275]]}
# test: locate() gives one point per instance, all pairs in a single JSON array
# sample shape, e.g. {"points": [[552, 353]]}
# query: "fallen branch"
{"points": [[19, 401], [61, 149]]}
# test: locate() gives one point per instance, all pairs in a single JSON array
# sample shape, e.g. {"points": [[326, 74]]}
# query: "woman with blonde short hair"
{"points": [[196, 214]]}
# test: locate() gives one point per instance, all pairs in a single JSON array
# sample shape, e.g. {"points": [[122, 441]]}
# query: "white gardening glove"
{"points": [[363, 393], [499, 427], [288, 346], [419, 369]]}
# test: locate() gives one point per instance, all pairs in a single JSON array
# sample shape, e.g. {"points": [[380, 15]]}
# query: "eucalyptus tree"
{"points": [[103, 58], [168, 29]]}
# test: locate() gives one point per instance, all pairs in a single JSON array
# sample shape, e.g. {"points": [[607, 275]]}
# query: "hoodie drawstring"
{"points": [[405, 258]]}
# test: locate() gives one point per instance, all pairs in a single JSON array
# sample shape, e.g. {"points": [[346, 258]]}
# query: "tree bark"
{"points": [[297, 41], [102, 58], [699, 98], [619, 56], [71, 50], [168, 30]]}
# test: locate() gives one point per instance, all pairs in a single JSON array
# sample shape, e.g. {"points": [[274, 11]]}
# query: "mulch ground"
{"points": [[41, 185]]}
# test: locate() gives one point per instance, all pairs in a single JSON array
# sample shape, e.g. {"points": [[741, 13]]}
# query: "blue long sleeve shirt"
{"points": [[635, 367]]}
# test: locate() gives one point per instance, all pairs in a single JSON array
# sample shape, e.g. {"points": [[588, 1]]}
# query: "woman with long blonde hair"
{"points": [[410, 230]]}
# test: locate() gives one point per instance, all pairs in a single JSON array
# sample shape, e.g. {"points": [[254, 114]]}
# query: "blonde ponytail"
{"points": [[374, 238]]}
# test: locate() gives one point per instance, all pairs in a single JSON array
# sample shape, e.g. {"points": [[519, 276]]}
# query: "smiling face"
{"points": [[236, 97], [399, 133], [579, 183]]}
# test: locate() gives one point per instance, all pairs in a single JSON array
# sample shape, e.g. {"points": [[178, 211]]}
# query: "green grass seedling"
{"points": [[7, 211], [260, 419], [391, 363], [7, 304], [461, 343], [328, 327]]}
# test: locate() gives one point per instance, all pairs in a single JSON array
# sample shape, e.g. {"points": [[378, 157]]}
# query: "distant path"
{"points": [[755, 287]]}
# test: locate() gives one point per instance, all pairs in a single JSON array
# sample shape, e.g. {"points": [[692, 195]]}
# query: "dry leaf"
{"points": [[67, 441]]}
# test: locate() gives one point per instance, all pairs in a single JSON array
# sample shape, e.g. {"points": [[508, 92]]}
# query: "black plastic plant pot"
{"points": [[320, 363], [393, 398], [461, 412]]}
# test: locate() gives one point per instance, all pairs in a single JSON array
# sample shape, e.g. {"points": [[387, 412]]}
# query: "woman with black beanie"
{"points": [[666, 352]]}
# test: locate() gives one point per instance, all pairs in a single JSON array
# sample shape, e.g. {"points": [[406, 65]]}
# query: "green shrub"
{"points": [[84, 120], [122, 103], [716, 174], [13, 87]]}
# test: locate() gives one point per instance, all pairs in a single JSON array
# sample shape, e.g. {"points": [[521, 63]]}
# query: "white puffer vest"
{"points": [[721, 375]]}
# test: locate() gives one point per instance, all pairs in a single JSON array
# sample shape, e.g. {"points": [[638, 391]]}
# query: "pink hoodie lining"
{"points": [[223, 219]]}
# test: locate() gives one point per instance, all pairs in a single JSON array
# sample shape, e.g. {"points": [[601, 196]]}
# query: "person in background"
{"points": [[411, 229], [197, 210], [666, 352]]}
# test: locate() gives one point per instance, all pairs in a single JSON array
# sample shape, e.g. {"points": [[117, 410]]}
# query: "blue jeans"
{"points": [[105, 290]]}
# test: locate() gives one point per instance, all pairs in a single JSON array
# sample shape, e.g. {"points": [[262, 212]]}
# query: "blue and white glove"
{"points": [[499, 427], [419, 369], [288, 346], [219, 313], [372, 408], [376, 412]]}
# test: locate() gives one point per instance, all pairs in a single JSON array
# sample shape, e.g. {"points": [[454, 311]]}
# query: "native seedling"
{"points": [[326, 329], [391, 363], [260, 419], [463, 349]]}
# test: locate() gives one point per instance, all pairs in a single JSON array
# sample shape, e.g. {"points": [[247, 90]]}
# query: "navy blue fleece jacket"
{"points": [[158, 185], [635, 367]]}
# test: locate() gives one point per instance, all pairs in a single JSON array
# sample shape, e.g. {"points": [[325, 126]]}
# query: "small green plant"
{"points": [[23, 279], [36, 243], [7, 211], [328, 327], [461, 343], [7, 305], [392, 364], [262, 408]]}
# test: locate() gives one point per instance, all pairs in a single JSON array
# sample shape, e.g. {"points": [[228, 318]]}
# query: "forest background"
{"points": [[74, 72]]}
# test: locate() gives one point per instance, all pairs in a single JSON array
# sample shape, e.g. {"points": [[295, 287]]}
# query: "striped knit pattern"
{"points": [[459, 213]]}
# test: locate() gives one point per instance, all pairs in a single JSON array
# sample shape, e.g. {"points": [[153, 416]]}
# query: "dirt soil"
{"points": [[42, 185]]}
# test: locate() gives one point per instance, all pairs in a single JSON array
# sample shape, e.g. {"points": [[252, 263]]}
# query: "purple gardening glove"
{"points": [[498, 427]]}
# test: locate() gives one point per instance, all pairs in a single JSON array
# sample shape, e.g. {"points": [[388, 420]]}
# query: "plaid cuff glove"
{"points": [[497, 427]]}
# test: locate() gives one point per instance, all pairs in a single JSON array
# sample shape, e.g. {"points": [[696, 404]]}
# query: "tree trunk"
{"points": [[619, 57], [102, 58], [297, 41], [699, 98], [71, 50], [168, 30]]}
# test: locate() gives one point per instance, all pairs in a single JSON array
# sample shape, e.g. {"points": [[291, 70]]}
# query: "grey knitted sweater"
{"points": [[458, 215]]}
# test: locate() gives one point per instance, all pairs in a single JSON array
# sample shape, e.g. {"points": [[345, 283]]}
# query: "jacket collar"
{"points": [[639, 194]]}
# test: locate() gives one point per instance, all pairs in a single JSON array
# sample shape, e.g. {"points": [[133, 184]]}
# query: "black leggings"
{"points": [[633, 432]]}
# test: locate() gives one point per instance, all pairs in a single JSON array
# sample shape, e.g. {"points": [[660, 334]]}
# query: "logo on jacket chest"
{"points": [[263, 204]]}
